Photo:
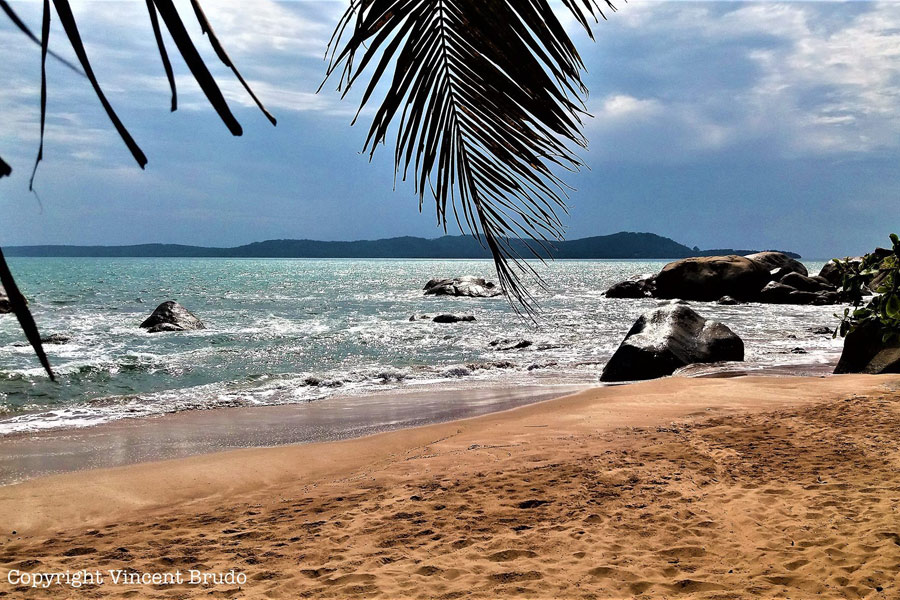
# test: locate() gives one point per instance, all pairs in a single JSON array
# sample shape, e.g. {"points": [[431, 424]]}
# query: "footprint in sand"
{"points": [[532, 503], [79, 551], [508, 555], [515, 576]]}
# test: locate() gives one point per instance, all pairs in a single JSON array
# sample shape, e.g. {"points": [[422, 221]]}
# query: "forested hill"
{"points": [[618, 245]]}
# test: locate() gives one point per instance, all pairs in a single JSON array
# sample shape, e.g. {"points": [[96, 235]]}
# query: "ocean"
{"points": [[298, 331]]}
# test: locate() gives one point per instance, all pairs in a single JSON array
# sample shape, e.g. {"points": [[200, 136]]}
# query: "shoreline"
{"points": [[673, 398], [185, 433], [695, 487]]}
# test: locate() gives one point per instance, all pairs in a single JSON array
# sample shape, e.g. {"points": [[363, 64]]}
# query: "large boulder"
{"points": [[472, 287], [639, 286], [778, 261], [171, 316], [711, 277], [668, 338], [865, 352]]}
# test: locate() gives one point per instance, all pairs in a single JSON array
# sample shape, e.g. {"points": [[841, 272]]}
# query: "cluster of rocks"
{"points": [[769, 277], [668, 338], [471, 287]]}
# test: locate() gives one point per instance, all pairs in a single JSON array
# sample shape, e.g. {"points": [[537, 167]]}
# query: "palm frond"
{"points": [[45, 46], [163, 8], [487, 100], [20, 309], [163, 54], [226, 60], [11, 14]]}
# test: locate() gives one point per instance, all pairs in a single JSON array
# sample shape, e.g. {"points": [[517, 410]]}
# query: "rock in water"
{"points": [[806, 284], [453, 319], [668, 338], [171, 316], [711, 277], [778, 260], [508, 344], [865, 352], [471, 287], [639, 286]]}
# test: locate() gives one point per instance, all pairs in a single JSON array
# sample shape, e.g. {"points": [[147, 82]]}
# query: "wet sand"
{"points": [[741, 487], [130, 441]]}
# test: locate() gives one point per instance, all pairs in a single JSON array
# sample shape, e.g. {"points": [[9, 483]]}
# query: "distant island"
{"points": [[624, 245]]}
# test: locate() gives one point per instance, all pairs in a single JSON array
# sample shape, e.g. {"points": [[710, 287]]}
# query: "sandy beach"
{"points": [[701, 488]]}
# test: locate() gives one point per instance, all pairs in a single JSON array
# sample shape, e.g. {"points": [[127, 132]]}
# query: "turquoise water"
{"points": [[292, 331]]}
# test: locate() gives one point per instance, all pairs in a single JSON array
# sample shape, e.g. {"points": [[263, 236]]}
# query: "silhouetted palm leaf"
{"points": [[486, 96], [24, 28], [192, 58], [20, 308]]}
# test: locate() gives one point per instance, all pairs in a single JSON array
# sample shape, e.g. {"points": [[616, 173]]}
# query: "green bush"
{"points": [[878, 273]]}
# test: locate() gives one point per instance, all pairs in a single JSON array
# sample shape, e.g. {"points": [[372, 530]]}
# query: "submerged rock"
{"points": [[668, 338], [453, 318], [456, 372], [56, 338], [471, 287], [866, 352], [508, 344], [711, 277], [727, 301], [171, 316]]}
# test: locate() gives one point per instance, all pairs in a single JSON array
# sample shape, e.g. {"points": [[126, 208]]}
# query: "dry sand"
{"points": [[698, 488]]}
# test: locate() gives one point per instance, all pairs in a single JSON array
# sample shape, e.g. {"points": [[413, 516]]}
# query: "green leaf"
{"points": [[892, 306]]}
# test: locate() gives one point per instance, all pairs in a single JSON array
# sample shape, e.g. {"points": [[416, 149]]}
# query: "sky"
{"points": [[718, 124]]}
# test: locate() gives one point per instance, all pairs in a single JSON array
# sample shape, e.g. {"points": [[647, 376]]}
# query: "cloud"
{"points": [[802, 79], [620, 107], [278, 46]]}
